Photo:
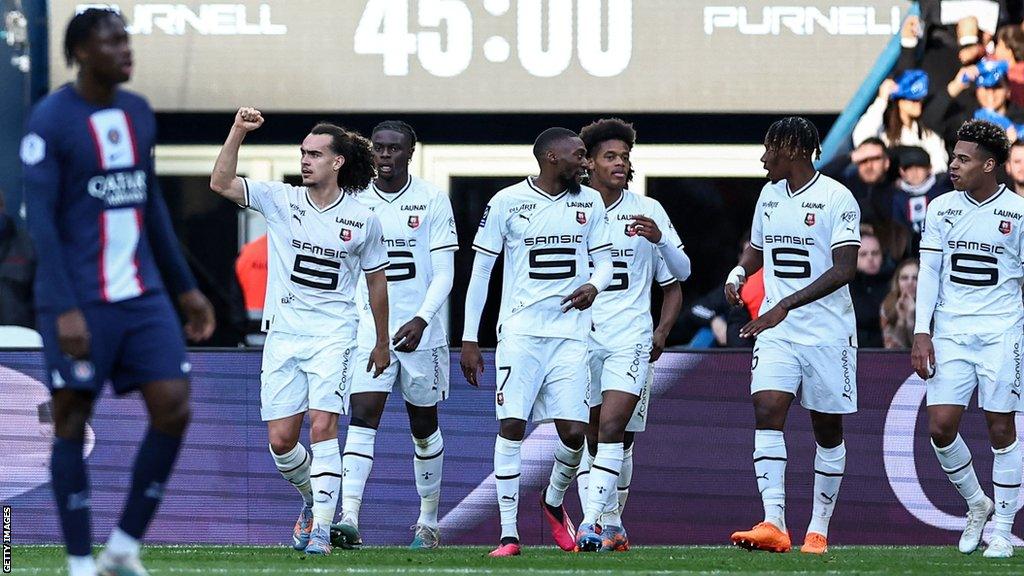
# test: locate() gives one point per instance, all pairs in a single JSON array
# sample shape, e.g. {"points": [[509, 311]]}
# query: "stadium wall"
{"points": [[693, 481]]}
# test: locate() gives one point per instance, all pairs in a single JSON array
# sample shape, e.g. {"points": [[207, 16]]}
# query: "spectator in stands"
{"points": [[916, 187], [868, 290], [895, 118], [1015, 166], [1010, 47], [897, 315], [17, 272], [991, 102]]}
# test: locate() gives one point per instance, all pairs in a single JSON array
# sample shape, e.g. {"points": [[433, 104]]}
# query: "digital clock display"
{"points": [[498, 55]]}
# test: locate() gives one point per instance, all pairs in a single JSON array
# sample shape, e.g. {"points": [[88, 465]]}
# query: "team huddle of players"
{"points": [[361, 260]]}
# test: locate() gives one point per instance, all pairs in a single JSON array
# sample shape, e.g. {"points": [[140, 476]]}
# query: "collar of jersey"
{"points": [[618, 202], [394, 195], [332, 204], [529, 182], [1002, 188], [804, 187]]}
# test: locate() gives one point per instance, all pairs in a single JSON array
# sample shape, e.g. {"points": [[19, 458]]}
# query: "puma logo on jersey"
{"points": [[524, 216]]}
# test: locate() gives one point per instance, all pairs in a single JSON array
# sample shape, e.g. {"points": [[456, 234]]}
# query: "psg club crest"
{"points": [[581, 217], [630, 231], [1004, 226], [414, 222], [346, 234], [114, 136], [809, 219]]}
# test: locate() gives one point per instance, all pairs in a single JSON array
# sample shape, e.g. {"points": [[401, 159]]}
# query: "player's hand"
{"points": [[380, 359], [248, 119], [73, 334], [199, 318], [911, 27], [408, 336], [647, 228], [472, 362], [580, 299], [732, 294], [922, 356], [769, 319], [658, 345]]}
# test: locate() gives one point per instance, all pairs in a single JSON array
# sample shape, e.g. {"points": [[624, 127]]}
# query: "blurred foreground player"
{"points": [[623, 343], [419, 233], [550, 228], [806, 234], [969, 285], [320, 240], [101, 227]]}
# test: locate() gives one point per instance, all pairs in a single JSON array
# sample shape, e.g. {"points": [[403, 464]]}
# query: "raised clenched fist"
{"points": [[248, 119]]}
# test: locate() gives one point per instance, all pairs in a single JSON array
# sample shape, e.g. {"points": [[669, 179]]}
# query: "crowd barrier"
{"points": [[693, 480]]}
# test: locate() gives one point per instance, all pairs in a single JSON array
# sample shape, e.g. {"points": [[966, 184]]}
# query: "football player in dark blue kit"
{"points": [[103, 236]]}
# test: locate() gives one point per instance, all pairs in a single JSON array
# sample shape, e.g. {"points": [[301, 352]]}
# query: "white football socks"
{"points": [[356, 463], [770, 469], [325, 480], [956, 462], [604, 476], [829, 466], [428, 463], [507, 467], [294, 467], [1007, 469], [563, 471]]}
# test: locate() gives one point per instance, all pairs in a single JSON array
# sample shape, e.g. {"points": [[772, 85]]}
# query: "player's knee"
{"points": [[1002, 433], [942, 433], [572, 435], [323, 429], [768, 417], [512, 429], [174, 420], [362, 419], [71, 426], [612, 430]]}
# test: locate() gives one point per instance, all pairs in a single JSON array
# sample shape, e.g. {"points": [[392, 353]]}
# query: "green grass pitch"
{"points": [[538, 561]]}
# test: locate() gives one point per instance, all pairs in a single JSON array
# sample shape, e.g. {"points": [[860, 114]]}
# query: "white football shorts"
{"points": [[989, 362], [421, 375], [541, 379], [823, 377], [301, 373]]}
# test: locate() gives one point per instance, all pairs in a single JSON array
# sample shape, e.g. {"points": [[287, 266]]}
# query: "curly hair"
{"points": [[358, 170], [605, 129], [797, 136], [397, 126], [82, 26], [989, 137]]}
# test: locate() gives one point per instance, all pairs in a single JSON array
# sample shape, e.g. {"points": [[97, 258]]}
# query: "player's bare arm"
{"points": [[225, 180], [200, 321], [844, 267], [751, 261], [380, 356], [671, 304]]}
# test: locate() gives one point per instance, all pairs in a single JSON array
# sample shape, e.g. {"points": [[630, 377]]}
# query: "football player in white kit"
{"points": [[320, 240], [623, 343], [550, 228], [970, 287], [806, 234], [419, 234]]}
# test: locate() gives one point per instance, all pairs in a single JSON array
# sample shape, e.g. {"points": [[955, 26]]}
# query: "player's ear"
{"points": [[339, 161]]}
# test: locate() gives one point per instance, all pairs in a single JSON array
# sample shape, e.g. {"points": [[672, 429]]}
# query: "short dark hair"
{"points": [[605, 129], [82, 26], [874, 140], [989, 137], [396, 126], [796, 135], [358, 170], [548, 137], [1013, 37]]}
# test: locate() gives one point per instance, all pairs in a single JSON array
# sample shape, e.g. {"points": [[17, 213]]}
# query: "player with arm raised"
{"points": [[623, 343], [970, 287], [550, 227], [419, 234], [806, 233], [320, 240], [104, 236]]}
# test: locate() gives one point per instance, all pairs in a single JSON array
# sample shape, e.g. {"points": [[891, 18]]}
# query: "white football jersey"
{"points": [[982, 246], [315, 258], [417, 221], [622, 312], [547, 242], [797, 230]]}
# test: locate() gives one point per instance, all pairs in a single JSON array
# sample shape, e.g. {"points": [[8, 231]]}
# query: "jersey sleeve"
{"points": [[490, 236], [442, 225], [665, 225], [756, 228], [42, 164], [845, 221], [661, 274], [372, 254], [164, 243], [931, 235], [267, 198], [599, 238]]}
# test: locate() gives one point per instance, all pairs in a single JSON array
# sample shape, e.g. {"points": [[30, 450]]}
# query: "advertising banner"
{"points": [[693, 480]]}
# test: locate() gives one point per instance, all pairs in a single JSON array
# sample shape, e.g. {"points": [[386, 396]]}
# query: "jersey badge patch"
{"points": [[630, 231], [346, 234], [809, 219], [414, 222], [1004, 226], [581, 217]]}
